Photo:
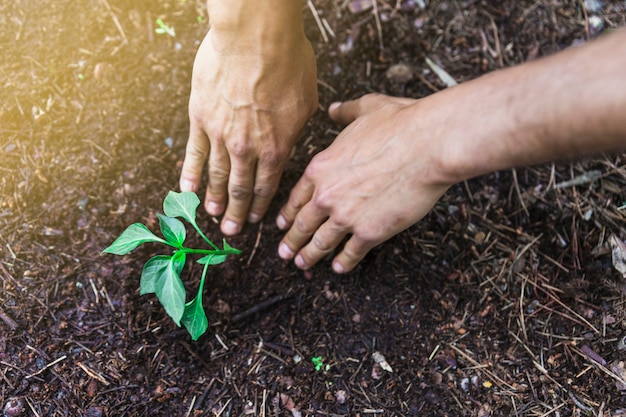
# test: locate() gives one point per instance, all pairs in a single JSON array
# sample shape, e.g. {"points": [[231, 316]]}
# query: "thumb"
{"points": [[345, 112], [348, 111]]}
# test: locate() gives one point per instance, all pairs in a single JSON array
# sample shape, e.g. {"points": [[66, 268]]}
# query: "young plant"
{"points": [[161, 273], [164, 29]]}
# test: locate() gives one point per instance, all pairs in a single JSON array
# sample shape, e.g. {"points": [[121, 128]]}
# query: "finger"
{"points": [[196, 152], [305, 224], [300, 194], [265, 186], [327, 237], [217, 188], [240, 186], [348, 111], [352, 253]]}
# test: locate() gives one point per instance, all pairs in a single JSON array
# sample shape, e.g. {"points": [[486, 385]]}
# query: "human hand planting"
{"points": [[361, 184], [248, 105]]}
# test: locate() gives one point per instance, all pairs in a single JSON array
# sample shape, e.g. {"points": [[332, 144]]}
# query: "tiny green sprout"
{"points": [[200, 19], [164, 29], [318, 362], [81, 77], [161, 274]]}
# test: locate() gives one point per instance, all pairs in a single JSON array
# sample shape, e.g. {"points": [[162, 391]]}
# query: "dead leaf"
{"points": [[619, 370], [618, 251]]}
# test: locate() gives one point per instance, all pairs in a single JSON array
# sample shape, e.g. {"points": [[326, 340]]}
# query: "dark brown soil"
{"points": [[502, 301]]}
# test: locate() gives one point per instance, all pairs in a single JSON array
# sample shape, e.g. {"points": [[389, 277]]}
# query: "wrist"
{"points": [[261, 28]]}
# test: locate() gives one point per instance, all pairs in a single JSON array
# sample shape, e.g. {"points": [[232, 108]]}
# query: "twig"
{"points": [[54, 362], [93, 374], [519, 192], [256, 245], [261, 306], [8, 320], [478, 366], [316, 16], [559, 302], [32, 408], [584, 178], [193, 401], [379, 28]]}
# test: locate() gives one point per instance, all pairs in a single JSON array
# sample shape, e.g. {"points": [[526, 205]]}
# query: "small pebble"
{"points": [[14, 407]]}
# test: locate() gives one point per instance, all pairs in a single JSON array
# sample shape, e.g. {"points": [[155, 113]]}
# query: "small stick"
{"points": [[93, 374], [316, 16], [8, 320], [256, 245], [54, 362], [255, 309], [519, 192], [379, 28]]}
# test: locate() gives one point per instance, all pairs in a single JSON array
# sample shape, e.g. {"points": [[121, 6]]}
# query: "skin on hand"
{"points": [[360, 185], [397, 156], [247, 108]]}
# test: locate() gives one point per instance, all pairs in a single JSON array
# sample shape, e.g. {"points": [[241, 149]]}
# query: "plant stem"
{"points": [[206, 239], [201, 286], [209, 251]]}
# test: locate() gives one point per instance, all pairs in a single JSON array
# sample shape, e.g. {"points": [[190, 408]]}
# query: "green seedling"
{"points": [[161, 274], [164, 29], [318, 362]]}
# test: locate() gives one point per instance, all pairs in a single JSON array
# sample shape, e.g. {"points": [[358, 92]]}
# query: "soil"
{"points": [[502, 301]]}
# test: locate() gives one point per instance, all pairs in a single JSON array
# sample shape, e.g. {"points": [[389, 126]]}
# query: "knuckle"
{"points": [[321, 245], [272, 157], [216, 172], [341, 221], [355, 253], [264, 191], [302, 227], [196, 113], [322, 201], [365, 238], [196, 149], [240, 149], [239, 192], [315, 167]]}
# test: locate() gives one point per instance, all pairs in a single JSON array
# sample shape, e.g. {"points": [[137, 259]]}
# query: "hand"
{"points": [[376, 179], [247, 107]]}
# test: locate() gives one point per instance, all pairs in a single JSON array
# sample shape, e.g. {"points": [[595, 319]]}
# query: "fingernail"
{"points": [[214, 209], [186, 185], [338, 268], [281, 222], [334, 106], [285, 252], [299, 261], [254, 217], [230, 227]]}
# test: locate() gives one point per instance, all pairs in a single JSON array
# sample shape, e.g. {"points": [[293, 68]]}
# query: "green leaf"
{"points": [[212, 259], [173, 230], [134, 235], [156, 267], [169, 288], [229, 248], [151, 271], [194, 318], [182, 205]]}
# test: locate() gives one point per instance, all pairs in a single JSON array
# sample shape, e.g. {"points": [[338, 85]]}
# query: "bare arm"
{"points": [[254, 87], [396, 157], [570, 104]]}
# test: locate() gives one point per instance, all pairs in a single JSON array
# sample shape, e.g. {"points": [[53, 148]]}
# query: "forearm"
{"points": [[259, 25], [571, 104]]}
